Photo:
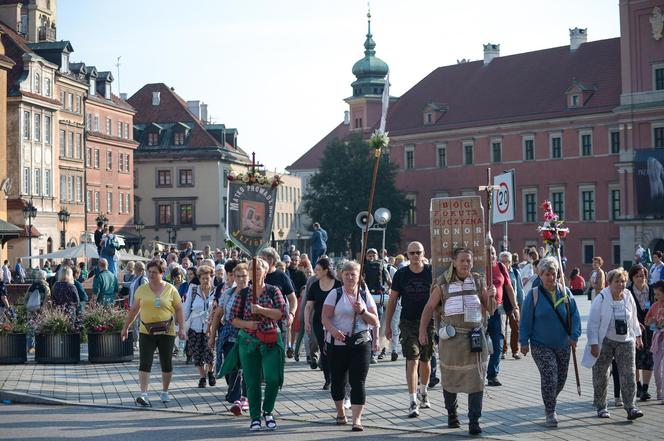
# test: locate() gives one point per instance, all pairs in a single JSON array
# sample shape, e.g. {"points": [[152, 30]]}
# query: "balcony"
{"points": [[47, 34]]}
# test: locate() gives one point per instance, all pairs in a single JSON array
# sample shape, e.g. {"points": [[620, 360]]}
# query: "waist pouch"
{"points": [[158, 328], [358, 338], [268, 337]]}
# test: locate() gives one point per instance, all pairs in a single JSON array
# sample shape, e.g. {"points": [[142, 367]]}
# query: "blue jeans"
{"points": [[495, 330], [316, 253]]}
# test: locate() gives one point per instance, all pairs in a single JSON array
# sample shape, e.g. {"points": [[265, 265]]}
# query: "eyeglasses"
{"points": [[414, 252]]}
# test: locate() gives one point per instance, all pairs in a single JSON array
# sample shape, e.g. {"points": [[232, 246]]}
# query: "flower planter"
{"points": [[58, 348], [109, 348], [13, 349]]}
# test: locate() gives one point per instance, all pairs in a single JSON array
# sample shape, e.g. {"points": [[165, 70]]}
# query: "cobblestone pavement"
{"points": [[512, 411]]}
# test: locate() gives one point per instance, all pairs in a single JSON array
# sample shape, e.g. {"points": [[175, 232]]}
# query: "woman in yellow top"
{"points": [[159, 304]]}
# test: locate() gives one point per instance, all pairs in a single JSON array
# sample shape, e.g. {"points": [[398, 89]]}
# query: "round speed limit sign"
{"points": [[503, 203], [503, 198]]}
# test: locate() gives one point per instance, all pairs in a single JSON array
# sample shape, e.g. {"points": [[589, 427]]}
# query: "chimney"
{"points": [[204, 113], [346, 117], [156, 98], [491, 51], [577, 37]]}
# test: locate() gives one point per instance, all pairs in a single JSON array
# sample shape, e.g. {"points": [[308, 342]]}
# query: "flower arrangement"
{"points": [[379, 140], [55, 321], [12, 322], [104, 319], [552, 230], [255, 178]]}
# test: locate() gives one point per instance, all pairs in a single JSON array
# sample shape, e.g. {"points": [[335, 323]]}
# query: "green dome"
{"points": [[370, 71]]}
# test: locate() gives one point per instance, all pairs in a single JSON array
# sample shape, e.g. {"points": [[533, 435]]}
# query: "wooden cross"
{"points": [[254, 164], [489, 189]]}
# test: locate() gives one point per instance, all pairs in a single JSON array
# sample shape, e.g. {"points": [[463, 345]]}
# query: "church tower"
{"points": [[33, 19], [370, 72]]}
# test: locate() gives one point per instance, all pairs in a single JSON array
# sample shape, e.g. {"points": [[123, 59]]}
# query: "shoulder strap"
{"points": [[567, 325], [339, 294], [193, 297]]}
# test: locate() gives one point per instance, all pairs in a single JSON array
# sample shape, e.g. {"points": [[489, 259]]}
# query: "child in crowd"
{"points": [[655, 319]]}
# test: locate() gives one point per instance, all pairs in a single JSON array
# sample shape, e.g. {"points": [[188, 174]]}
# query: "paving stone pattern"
{"points": [[512, 411]]}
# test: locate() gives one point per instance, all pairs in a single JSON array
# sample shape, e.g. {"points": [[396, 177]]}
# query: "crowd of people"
{"points": [[240, 319]]}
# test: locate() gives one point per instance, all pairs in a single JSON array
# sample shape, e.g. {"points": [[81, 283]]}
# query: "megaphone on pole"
{"points": [[362, 219]]}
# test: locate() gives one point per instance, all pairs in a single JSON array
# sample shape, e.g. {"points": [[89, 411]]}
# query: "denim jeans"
{"points": [[495, 330]]}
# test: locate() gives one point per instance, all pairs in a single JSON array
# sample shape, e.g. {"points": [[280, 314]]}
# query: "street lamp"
{"points": [[139, 229], [29, 213], [64, 216], [102, 218]]}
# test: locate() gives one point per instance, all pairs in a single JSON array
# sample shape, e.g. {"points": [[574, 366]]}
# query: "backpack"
{"points": [[341, 293], [109, 246], [34, 301]]}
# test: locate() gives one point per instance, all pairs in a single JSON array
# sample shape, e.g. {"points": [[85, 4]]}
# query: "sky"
{"points": [[278, 71]]}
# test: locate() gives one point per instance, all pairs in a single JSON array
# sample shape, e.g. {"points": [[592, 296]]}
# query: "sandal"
{"points": [[341, 420], [255, 425], [358, 428], [270, 423], [603, 413]]}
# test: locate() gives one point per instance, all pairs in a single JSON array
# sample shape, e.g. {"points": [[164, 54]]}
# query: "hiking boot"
{"points": [[453, 420]]}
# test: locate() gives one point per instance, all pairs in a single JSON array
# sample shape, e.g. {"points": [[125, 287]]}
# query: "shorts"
{"points": [[410, 344]]}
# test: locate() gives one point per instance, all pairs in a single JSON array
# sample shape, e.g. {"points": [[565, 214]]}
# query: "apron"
{"points": [[462, 370]]}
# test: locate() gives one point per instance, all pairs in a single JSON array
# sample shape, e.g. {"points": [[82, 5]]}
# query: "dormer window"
{"points": [[575, 101], [107, 91], [153, 138], [429, 118], [64, 64], [178, 138], [433, 112], [578, 94]]}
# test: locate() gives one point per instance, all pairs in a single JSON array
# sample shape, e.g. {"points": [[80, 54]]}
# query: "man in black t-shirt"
{"points": [[299, 280], [412, 284], [377, 279]]}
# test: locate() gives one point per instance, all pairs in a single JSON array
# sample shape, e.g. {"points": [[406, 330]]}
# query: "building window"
{"points": [[63, 188], [588, 247], [79, 146], [119, 129], [659, 78], [26, 125], [410, 217], [47, 183], [97, 160], [658, 137], [70, 145], [62, 98], [96, 123], [97, 201], [37, 83], [178, 138], [88, 200], [47, 129], [153, 138], [47, 87], [63, 143], [496, 152], [79, 188], [109, 126], [37, 189], [126, 131], [164, 178], [588, 205], [575, 100], [121, 202], [530, 207], [127, 205], [70, 102], [70, 188], [409, 161], [126, 163], [79, 104], [615, 142], [109, 202], [558, 203], [556, 147], [186, 214], [88, 157], [528, 150], [88, 124], [615, 251], [615, 203], [441, 155], [26, 180], [429, 118], [109, 160], [165, 214], [468, 154], [37, 127], [586, 144], [186, 178]]}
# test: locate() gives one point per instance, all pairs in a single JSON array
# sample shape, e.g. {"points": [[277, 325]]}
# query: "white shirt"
{"points": [[197, 309], [6, 274], [344, 313], [619, 313], [656, 272]]}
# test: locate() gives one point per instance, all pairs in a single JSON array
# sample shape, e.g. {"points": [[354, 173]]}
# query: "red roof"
{"points": [[522, 87], [171, 109]]}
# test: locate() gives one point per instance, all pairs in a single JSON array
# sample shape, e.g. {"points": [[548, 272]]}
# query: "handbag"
{"points": [[34, 301], [269, 337], [158, 328]]}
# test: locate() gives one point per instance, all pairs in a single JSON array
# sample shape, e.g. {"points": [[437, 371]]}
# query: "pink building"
{"points": [[581, 125]]}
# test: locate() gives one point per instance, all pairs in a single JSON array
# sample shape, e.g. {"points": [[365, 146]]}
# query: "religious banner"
{"points": [[457, 222], [252, 200], [649, 182]]}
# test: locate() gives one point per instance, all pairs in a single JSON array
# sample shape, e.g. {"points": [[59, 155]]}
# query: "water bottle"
{"points": [[181, 347]]}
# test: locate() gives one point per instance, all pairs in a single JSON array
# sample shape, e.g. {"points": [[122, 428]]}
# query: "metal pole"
{"points": [[29, 241], [505, 239]]}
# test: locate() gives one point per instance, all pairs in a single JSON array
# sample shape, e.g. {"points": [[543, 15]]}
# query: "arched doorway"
{"points": [[49, 245]]}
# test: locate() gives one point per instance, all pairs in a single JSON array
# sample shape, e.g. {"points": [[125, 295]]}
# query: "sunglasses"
{"points": [[414, 252]]}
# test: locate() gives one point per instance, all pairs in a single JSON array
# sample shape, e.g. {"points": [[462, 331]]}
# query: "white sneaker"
{"points": [[346, 403], [165, 398], [143, 400], [424, 401], [414, 410]]}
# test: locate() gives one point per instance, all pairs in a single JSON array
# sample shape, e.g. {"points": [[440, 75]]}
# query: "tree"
{"points": [[340, 190]]}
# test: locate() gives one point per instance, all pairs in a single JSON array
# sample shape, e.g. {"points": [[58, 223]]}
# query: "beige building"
{"points": [[287, 227], [180, 170]]}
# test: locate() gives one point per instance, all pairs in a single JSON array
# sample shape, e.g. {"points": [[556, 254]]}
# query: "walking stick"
{"points": [[365, 233]]}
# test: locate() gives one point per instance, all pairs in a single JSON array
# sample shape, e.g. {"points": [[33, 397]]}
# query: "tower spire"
{"points": [[369, 44]]}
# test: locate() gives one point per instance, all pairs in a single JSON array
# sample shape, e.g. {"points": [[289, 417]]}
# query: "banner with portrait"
{"points": [[649, 182], [249, 215]]}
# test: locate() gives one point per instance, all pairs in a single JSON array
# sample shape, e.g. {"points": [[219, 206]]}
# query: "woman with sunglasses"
{"points": [[158, 303]]}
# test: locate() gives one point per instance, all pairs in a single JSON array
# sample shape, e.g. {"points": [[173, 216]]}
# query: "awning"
{"points": [[9, 231]]}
